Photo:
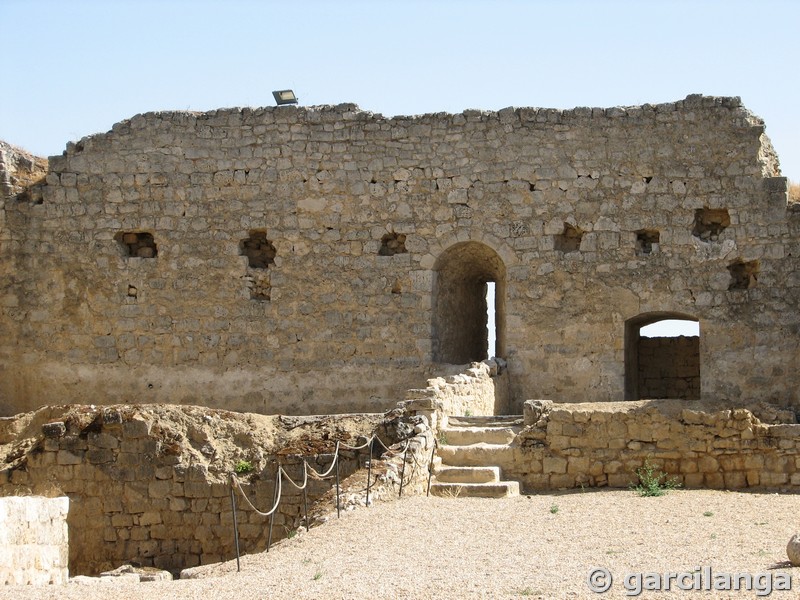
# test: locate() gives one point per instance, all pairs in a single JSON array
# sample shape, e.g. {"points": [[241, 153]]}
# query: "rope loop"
{"points": [[305, 477], [250, 504], [317, 475]]}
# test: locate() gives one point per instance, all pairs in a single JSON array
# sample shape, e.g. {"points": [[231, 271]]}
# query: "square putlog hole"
{"points": [[710, 222], [647, 242], [744, 275], [392, 243], [569, 240], [260, 252], [137, 244]]}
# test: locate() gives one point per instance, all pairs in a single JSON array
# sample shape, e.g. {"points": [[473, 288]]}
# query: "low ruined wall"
{"points": [[151, 486], [137, 496], [479, 389], [603, 444], [33, 540]]}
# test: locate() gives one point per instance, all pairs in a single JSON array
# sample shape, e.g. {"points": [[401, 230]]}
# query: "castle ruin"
{"points": [[305, 260]]}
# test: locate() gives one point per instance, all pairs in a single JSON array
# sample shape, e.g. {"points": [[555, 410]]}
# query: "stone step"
{"points": [[464, 436], [486, 421], [501, 489], [468, 475], [477, 455]]}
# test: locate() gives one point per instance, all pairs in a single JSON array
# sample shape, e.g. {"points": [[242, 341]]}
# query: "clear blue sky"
{"points": [[73, 68]]}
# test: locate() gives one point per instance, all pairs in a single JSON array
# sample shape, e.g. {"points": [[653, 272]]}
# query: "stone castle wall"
{"points": [[318, 260]]}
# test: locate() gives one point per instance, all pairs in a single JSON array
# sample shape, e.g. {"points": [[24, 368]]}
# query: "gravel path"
{"points": [[542, 546]]}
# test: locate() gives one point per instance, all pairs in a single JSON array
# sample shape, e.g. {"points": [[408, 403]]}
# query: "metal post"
{"points": [[369, 467], [274, 499], [235, 526], [430, 466], [338, 503], [305, 498], [403, 471]]}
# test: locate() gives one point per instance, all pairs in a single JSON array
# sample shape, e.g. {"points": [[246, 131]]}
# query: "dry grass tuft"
{"points": [[794, 191]]}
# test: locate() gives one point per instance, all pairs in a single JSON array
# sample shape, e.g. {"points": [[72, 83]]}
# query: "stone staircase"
{"points": [[470, 449]]}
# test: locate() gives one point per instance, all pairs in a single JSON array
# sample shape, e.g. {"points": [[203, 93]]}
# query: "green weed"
{"points": [[243, 466], [653, 482]]}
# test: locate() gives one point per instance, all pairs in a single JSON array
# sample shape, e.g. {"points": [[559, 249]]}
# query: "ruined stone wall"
{"points": [[669, 367], [33, 541], [697, 445], [289, 259], [478, 390], [138, 496], [140, 492]]}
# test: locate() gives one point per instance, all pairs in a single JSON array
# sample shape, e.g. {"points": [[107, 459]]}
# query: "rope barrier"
{"points": [[368, 442], [235, 527], [317, 475], [369, 466], [250, 504], [430, 465], [388, 449], [276, 497], [414, 458], [305, 477], [311, 472]]}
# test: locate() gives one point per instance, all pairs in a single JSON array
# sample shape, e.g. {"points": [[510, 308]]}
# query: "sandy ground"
{"points": [[541, 546]]}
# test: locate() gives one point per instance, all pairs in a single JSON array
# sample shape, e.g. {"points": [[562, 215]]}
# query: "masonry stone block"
{"points": [[614, 444], [66, 457], [753, 478], [772, 479], [554, 464], [577, 465], [562, 480], [707, 464], [99, 456], [620, 480], [693, 480], [735, 480]]}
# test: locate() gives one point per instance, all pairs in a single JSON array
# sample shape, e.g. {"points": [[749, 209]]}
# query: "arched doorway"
{"points": [[462, 275], [662, 356]]}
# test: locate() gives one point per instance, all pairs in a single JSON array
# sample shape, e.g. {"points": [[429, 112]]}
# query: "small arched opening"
{"points": [[662, 356], [465, 275]]}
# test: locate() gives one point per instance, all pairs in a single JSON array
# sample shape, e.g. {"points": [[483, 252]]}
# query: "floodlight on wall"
{"points": [[284, 97]]}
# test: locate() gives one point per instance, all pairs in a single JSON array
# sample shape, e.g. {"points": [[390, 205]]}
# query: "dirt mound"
{"points": [[218, 439]]}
